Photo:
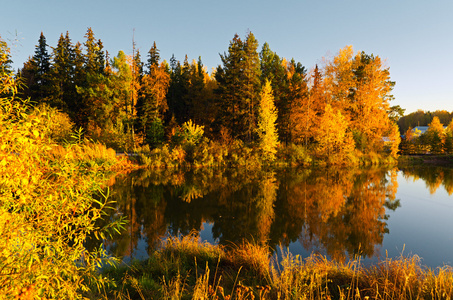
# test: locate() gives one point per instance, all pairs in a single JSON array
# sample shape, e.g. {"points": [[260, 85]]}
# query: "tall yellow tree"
{"points": [[333, 140], [267, 116], [359, 86], [301, 113]]}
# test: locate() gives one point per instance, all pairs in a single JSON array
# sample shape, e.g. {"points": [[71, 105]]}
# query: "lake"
{"points": [[340, 213]]}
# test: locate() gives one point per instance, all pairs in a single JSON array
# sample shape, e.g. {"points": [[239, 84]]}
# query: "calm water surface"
{"points": [[340, 213]]}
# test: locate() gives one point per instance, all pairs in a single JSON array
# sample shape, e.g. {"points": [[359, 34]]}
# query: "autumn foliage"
{"points": [[339, 112], [47, 205]]}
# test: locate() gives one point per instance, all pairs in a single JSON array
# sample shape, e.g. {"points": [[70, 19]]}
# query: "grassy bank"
{"points": [[445, 160], [187, 269]]}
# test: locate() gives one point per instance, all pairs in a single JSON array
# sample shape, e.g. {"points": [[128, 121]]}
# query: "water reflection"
{"points": [[434, 177], [341, 213]]}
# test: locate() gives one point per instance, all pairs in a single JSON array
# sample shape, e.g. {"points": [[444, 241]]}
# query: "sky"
{"points": [[413, 37]]}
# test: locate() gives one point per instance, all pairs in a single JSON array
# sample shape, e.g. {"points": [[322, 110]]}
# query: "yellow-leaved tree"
{"points": [[435, 136], [334, 142], [47, 209], [359, 86], [267, 116]]}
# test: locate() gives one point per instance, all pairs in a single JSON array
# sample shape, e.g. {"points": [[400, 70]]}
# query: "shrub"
{"points": [[47, 209]]}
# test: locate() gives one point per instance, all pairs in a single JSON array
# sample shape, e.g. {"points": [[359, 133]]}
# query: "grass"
{"points": [[187, 269]]}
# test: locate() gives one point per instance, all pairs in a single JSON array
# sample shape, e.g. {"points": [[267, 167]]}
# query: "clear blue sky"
{"points": [[415, 38]]}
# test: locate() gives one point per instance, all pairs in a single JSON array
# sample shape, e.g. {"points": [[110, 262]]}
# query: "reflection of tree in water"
{"points": [[433, 176], [340, 211]]}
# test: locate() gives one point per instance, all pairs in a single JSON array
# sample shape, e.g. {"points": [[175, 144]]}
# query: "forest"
{"points": [[68, 111], [255, 105]]}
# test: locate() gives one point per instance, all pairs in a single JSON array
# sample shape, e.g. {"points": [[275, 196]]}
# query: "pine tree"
{"points": [[62, 75], [35, 74], [267, 117], [251, 84], [42, 61], [229, 85], [238, 87], [153, 57], [93, 86], [300, 113]]}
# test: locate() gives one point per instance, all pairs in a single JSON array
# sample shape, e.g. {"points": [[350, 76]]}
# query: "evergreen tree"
{"points": [[42, 61], [177, 99], [92, 85], [62, 75], [196, 97], [5, 59], [35, 73], [82, 107], [251, 83], [238, 87], [153, 57], [229, 85], [299, 116], [273, 68], [94, 56]]}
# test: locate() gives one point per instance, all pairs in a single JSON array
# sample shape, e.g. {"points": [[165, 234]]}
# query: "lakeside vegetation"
{"points": [[255, 107], [186, 269], [51, 175]]}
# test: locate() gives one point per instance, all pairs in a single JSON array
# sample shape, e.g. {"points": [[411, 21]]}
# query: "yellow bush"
{"points": [[46, 209]]}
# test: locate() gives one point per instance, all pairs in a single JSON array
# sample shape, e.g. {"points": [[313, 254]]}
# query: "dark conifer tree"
{"points": [[197, 95], [229, 81], [251, 85], [153, 57], [273, 69], [81, 105], [62, 74], [239, 86], [35, 74], [42, 61], [177, 96]]}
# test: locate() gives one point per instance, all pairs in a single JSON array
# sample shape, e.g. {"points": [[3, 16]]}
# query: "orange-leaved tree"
{"points": [[435, 136], [359, 86], [334, 141]]}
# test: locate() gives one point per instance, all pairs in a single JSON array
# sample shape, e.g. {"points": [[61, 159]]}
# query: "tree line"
{"points": [[423, 118], [337, 111]]}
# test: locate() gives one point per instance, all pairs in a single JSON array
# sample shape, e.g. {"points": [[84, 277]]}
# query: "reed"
{"points": [[184, 268]]}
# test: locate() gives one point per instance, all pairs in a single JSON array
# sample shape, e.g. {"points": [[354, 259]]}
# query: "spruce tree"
{"points": [[251, 84], [153, 57], [273, 68], [62, 74], [229, 79], [35, 74], [42, 61]]}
